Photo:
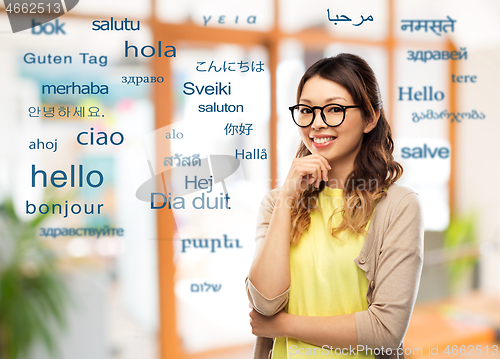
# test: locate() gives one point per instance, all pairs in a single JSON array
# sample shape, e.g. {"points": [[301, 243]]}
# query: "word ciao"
{"points": [[243, 66], [92, 232], [112, 25], [196, 288], [421, 152], [222, 19], [44, 28], [425, 56], [186, 161], [209, 243], [455, 116], [345, 18], [31, 58], [426, 95], [435, 25]]}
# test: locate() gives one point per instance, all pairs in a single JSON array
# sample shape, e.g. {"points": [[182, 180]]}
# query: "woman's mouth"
{"points": [[322, 141]]}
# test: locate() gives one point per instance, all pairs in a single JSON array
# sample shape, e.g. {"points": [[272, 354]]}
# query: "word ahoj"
{"points": [[44, 28], [196, 288], [170, 50], [428, 94], [345, 18], [102, 140], [222, 19], [31, 58], [209, 243], [112, 25], [173, 135], [53, 145], [421, 152]]}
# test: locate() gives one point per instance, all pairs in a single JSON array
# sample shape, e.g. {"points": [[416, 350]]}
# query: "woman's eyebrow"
{"points": [[326, 101]]}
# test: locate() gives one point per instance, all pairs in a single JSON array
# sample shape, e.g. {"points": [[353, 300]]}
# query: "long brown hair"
{"points": [[374, 166]]}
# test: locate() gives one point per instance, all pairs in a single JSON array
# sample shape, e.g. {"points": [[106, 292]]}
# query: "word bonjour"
{"points": [[417, 96], [31, 58], [421, 152], [222, 19], [196, 288], [92, 232], [209, 243], [75, 208]]}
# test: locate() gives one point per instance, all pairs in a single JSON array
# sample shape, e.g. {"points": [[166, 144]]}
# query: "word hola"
{"points": [[421, 152], [44, 28], [428, 94], [196, 288], [256, 154], [218, 89], [222, 19], [204, 243], [173, 135], [170, 50], [112, 25], [63, 177], [102, 140], [53, 145]]}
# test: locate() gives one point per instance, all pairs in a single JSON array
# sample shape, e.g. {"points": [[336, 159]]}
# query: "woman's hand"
{"points": [[303, 172], [268, 327]]}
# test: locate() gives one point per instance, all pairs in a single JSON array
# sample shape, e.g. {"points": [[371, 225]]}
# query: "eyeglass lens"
{"points": [[303, 115]]}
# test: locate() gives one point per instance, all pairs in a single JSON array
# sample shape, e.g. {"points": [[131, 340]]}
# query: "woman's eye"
{"points": [[335, 109], [304, 110]]}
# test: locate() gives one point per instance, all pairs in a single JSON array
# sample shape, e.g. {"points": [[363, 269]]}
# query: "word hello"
{"points": [[421, 152], [31, 58], [170, 50], [53, 145], [428, 94], [112, 25], [75, 89], [173, 135], [256, 154], [218, 89], [44, 28], [222, 19], [102, 140], [204, 243], [63, 177]]}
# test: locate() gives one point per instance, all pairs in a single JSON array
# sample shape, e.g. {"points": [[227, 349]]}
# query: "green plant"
{"points": [[33, 295], [460, 239]]}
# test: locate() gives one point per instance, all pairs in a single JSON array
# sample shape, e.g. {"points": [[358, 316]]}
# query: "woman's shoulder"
{"points": [[399, 197]]}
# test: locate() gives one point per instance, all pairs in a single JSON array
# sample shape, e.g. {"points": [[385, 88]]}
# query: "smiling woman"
{"points": [[339, 245]]}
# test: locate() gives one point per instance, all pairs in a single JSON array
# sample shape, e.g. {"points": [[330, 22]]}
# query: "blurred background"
{"points": [[131, 295]]}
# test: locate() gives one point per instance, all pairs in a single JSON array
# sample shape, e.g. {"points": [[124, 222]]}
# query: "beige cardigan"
{"points": [[391, 258]]}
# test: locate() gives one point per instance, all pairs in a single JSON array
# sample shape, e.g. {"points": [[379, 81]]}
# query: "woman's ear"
{"points": [[370, 125]]}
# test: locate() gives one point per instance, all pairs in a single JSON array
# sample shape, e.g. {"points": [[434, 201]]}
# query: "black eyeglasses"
{"points": [[332, 114]]}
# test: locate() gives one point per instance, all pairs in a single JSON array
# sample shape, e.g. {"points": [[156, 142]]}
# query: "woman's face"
{"points": [[342, 142]]}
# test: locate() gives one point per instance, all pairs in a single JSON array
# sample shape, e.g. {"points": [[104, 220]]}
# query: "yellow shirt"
{"points": [[325, 281]]}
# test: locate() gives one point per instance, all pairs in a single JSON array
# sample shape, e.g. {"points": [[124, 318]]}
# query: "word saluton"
{"points": [[105, 25], [256, 154]]}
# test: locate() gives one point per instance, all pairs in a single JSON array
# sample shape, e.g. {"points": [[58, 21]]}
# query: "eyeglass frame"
{"points": [[313, 108]]}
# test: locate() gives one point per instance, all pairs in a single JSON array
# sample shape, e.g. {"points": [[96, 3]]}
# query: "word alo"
{"points": [[421, 152], [209, 243], [196, 288]]}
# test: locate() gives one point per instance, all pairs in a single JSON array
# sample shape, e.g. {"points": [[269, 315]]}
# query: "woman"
{"points": [[339, 245]]}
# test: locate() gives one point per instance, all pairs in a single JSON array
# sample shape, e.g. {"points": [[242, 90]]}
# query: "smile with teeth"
{"points": [[323, 139]]}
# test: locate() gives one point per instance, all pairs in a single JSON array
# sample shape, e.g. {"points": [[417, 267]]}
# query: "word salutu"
{"points": [[115, 25], [31, 58], [92, 232], [196, 288], [222, 19], [255, 154], [445, 115], [422, 152], [186, 161], [258, 67], [345, 18], [425, 56], [435, 25], [209, 243]]}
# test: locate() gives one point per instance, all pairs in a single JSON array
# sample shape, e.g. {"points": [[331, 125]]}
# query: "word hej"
{"points": [[428, 94], [199, 202], [222, 19], [345, 18], [44, 28], [421, 152], [196, 288], [77, 177], [204, 243], [435, 25], [31, 58]]}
